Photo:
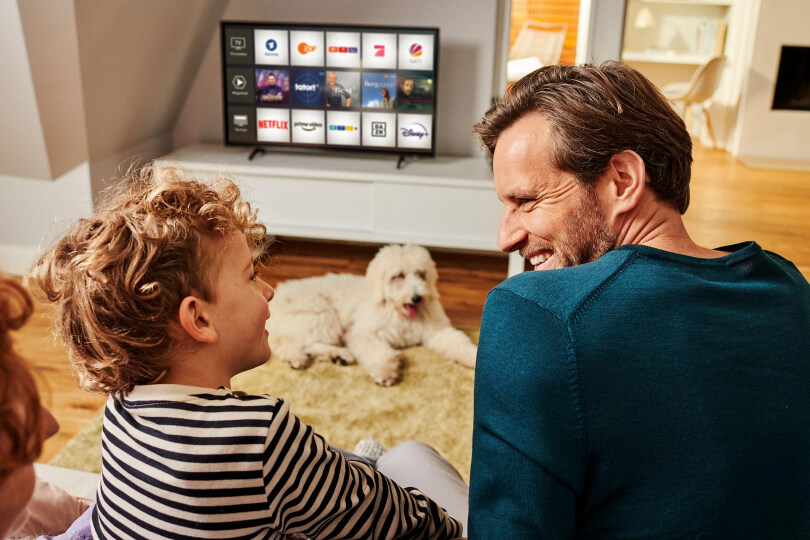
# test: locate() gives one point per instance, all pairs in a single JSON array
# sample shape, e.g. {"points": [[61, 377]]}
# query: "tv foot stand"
{"points": [[256, 151]]}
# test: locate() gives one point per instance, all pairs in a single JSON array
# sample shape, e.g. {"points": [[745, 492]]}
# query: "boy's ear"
{"points": [[194, 319], [626, 183]]}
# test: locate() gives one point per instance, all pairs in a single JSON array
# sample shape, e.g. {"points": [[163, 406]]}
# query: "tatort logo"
{"points": [[343, 49], [416, 50], [308, 126], [273, 124], [379, 50], [304, 48], [414, 129], [271, 45], [308, 89], [340, 127]]}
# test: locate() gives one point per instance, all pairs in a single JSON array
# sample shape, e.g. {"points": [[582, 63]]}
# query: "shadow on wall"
{"points": [[457, 63]]}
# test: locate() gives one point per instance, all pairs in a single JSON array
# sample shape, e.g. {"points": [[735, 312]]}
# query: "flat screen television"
{"points": [[361, 88]]}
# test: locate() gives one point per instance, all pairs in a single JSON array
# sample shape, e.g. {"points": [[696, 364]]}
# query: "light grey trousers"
{"points": [[415, 464]]}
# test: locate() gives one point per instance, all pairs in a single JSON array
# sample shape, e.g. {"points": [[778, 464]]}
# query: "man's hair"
{"points": [[118, 278], [20, 418], [595, 112]]}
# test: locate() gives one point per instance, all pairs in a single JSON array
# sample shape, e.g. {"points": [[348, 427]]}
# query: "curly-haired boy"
{"points": [[160, 305]]}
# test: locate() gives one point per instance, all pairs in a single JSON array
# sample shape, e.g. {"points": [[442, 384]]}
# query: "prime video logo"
{"points": [[414, 129], [308, 126]]}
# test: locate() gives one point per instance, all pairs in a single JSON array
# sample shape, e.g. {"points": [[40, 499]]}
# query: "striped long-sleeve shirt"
{"points": [[185, 462]]}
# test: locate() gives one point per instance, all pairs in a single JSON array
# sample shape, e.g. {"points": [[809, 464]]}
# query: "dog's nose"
{"points": [[416, 299]]}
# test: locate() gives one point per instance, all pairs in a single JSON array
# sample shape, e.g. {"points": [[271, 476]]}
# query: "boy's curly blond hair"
{"points": [[118, 277]]}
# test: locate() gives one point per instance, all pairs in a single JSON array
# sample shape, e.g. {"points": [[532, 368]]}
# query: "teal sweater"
{"points": [[645, 395]]}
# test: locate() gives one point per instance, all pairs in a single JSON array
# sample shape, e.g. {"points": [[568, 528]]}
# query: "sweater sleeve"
{"points": [[528, 461], [313, 490]]}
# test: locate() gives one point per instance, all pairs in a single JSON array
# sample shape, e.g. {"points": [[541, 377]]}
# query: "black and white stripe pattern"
{"points": [[183, 462]]}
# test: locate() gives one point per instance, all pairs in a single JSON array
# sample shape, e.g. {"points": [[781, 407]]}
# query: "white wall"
{"points": [[33, 213], [466, 59], [87, 85], [22, 143], [761, 132], [53, 54]]}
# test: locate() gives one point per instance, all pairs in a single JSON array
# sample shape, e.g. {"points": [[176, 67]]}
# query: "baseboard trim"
{"points": [[754, 162]]}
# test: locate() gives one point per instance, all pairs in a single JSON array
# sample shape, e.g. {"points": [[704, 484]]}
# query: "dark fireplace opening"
{"points": [[793, 81]]}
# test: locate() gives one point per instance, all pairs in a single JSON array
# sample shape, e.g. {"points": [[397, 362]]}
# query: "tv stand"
{"points": [[445, 202], [403, 159], [258, 151]]}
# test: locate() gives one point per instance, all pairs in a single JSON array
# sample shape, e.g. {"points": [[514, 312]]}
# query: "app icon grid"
{"points": [[355, 80]]}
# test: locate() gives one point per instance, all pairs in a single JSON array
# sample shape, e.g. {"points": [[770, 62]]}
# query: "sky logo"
{"points": [[414, 129], [271, 45], [416, 50]]}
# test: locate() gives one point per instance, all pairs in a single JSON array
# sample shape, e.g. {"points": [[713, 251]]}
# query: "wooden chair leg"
{"points": [[709, 125]]}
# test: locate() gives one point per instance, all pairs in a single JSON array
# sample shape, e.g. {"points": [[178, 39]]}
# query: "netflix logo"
{"points": [[273, 124]]}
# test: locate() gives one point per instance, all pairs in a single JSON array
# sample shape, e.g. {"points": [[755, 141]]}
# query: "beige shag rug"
{"points": [[433, 404]]}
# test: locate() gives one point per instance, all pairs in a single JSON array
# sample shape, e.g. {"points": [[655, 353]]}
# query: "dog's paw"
{"points": [[302, 362], [340, 361], [390, 380], [468, 358], [387, 373]]}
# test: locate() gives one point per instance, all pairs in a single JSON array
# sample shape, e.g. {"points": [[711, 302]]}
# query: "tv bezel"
{"points": [[325, 147]]}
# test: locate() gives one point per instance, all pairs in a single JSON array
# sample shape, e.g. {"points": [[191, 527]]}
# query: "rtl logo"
{"points": [[334, 49]]}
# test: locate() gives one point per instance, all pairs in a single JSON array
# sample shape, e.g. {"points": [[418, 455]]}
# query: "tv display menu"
{"points": [[325, 86]]}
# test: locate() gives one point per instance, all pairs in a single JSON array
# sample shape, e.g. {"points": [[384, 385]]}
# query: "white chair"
{"points": [[537, 44], [698, 91]]}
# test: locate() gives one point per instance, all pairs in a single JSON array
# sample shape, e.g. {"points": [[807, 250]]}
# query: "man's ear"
{"points": [[626, 182], [194, 319]]}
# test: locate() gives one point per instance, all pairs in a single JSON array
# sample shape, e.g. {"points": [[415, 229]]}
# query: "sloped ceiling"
{"points": [[87, 79], [138, 60], [22, 143]]}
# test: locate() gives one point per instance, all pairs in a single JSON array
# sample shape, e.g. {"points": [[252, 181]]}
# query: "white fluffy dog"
{"points": [[346, 318]]}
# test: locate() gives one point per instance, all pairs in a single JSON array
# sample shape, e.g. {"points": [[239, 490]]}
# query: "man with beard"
{"points": [[636, 384]]}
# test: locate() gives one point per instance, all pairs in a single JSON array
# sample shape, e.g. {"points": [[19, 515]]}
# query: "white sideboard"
{"points": [[443, 202]]}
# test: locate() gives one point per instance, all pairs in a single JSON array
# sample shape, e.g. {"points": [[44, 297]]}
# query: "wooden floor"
{"points": [[730, 204]]}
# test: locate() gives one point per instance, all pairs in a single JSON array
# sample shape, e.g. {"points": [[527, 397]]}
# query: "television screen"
{"points": [[323, 86]]}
